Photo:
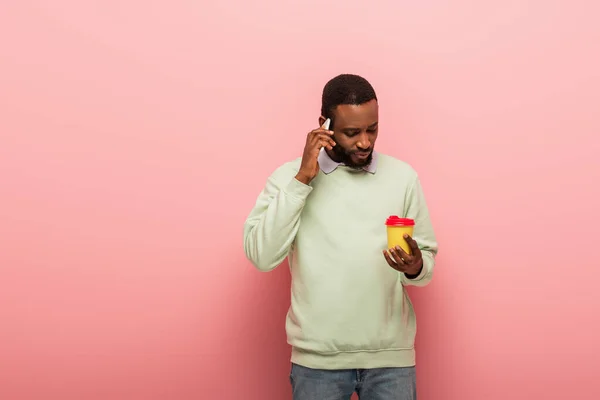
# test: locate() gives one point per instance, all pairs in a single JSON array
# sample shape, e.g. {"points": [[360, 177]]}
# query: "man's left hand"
{"points": [[410, 264]]}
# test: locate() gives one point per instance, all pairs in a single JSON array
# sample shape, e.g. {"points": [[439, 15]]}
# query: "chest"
{"points": [[351, 210]]}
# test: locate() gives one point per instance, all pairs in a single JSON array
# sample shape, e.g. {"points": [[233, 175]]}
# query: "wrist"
{"points": [[300, 177], [416, 273]]}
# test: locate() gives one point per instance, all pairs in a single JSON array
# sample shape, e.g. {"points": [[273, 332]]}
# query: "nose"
{"points": [[363, 142]]}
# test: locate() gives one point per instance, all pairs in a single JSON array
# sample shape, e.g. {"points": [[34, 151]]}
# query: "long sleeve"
{"points": [[271, 227], [416, 208]]}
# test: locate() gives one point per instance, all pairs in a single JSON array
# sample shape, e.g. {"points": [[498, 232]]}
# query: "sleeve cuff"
{"points": [[298, 189]]}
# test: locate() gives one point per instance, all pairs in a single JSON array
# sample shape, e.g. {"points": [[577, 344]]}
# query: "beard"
{"points": [[344, 156]]}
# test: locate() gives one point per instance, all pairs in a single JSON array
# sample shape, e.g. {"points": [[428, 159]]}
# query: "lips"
{"points": [[362, 154]]}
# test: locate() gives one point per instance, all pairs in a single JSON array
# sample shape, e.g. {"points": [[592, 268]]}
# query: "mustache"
{"points": [[340, 151]]}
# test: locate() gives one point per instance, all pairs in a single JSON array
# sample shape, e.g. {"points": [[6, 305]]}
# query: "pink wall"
{"points": [[135, 136]]}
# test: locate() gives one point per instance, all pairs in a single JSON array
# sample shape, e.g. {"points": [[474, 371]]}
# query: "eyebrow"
{"points": [[350, 129]]}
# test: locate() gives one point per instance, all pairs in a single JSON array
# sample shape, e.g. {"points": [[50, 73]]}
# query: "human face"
{"points": [[355, 130]]}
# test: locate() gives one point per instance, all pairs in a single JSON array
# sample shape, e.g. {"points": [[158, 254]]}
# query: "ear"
{"points": [[321, 120]]}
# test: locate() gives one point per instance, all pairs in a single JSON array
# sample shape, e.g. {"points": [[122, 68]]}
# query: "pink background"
{"points": [[136, 135]]}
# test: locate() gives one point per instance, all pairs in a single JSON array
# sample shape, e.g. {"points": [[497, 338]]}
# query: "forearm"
{"points": [[273, 224], [423, 234]]}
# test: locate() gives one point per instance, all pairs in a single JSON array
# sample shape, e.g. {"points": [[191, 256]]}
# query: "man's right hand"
{"points": [[315, 141]]}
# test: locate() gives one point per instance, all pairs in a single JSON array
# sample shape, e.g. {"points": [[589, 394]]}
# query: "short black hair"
{"points": [[345, 89]]}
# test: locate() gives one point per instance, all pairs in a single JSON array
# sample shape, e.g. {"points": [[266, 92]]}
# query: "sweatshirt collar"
{"points": [[327, 165]]}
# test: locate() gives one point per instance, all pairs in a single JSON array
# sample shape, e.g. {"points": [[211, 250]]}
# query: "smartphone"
{"points": [[326, 124]]}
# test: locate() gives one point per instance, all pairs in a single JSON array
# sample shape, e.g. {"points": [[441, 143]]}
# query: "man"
{"points": [[351, 324]]}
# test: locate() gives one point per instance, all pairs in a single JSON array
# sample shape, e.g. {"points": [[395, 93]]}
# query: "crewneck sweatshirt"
{"points": [[349, 308]]}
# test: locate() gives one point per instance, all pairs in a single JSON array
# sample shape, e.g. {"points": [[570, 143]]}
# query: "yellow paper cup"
{"points": [[396, 228]]}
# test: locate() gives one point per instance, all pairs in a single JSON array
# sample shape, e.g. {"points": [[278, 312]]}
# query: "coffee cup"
{"points": [[396, 229]]}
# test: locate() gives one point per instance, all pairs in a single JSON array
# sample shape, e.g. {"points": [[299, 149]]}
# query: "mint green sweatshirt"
{"points": [[349, 308]]}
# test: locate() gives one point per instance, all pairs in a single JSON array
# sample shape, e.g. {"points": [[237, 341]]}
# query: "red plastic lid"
{"points": [[394, 220]]}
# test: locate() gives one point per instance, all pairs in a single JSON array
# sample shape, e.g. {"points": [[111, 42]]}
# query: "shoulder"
{"points": [[395, 166]]}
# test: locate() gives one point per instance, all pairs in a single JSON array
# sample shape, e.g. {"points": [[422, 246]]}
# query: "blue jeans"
{"points": [[369, 384]]}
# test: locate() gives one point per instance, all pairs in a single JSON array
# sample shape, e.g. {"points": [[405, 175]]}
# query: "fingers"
{"points": [[321, 137], [399, 260], [391, 261], [396, 262], [414, 247], [400, 256], [327, 144], [321, 132], [322, 140]]}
